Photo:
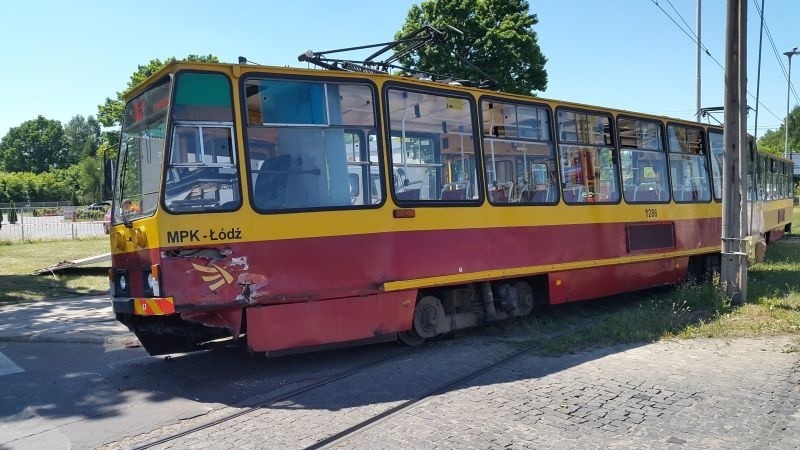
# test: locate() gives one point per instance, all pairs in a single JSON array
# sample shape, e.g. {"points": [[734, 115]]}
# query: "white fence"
{"points": [[30, 228]]}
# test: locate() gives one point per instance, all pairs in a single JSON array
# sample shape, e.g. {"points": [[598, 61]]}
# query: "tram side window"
{"points": [[761, 178], [311, 145], [202, 174], [717, 146], [588, 161], [433, 147], [688, 167], [643, 161], [519, 157]]}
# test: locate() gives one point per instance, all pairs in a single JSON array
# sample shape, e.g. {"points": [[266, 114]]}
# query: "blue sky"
{"points": [[64, 58]]}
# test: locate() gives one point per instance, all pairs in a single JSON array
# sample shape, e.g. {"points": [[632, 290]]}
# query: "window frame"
{"points": [[171, 125], [325, 79], [614, 146], [474, 114], [705, 156], [664, 151], [719, 131], [552, 142]]}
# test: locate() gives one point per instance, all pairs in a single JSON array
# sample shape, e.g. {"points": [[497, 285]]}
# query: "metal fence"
{"points": [[61, 227]]}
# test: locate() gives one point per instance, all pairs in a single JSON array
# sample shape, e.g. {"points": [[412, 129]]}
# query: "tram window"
{"points": [[643, 161], [311, 145], [202, 174], [688, 167], [433, 147], [716, 143], [518, 154], [770, 179], [588, 163]]}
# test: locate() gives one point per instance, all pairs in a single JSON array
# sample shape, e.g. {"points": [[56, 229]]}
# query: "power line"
{"points": [[777, 53], [691, 35]]}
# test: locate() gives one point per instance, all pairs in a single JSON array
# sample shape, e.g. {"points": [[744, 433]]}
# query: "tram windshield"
{"points": [[140, 155]]}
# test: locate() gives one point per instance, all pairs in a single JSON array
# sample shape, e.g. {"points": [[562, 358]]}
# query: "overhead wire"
{"points": [[691, 35], [777, 53]]}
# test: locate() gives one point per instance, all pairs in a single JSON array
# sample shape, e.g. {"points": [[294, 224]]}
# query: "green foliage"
{"points": [[90, 180], [47, 212], [774, 141], [498, 38], [25, 187], [82, 137], [35, 146], [110, 113]]}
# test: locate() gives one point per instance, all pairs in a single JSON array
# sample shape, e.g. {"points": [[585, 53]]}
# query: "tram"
{"points": [[287, 209]]}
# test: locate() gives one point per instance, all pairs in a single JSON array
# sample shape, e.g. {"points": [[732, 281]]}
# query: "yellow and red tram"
{"points": [[292, 208]]}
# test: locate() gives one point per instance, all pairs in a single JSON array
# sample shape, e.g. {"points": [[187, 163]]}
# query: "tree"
{"points": [[35, 146], [90, 180], [498, 38], [82, 137], [110, 113], [774, 141]]}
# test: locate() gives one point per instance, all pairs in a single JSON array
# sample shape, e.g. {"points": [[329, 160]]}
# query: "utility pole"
{"points": [[734, 212], [699, 41]]}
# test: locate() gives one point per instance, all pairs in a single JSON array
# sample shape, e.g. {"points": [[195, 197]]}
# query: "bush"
{"points": [[89, 214], [45, 212]]}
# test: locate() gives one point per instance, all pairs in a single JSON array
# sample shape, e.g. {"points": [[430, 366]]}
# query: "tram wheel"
{"points": [[427, 314], [524, 298]]}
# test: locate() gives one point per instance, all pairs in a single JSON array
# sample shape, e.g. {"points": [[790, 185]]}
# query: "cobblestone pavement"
{"points": [[690, 394], [743, 393]]}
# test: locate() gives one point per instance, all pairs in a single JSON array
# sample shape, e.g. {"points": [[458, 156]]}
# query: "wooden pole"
{"points": [[734, 212]]}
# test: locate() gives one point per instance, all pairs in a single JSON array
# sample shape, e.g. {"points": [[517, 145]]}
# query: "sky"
{"points": [[62, 59]]}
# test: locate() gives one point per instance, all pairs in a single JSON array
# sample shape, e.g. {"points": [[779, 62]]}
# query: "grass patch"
{"points": [[685, 311], [19, 260]]}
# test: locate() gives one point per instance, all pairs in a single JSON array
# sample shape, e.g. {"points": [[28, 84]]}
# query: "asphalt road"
{"points": [[85, 395]]}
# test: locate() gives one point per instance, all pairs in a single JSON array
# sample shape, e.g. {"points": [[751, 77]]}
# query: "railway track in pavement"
{"points": [[414, 378]]}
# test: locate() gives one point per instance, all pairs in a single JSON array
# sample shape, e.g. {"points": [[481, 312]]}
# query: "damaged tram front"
{"points": [[242, 209]]}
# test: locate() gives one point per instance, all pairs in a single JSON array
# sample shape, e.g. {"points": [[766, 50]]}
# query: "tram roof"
{"points": [[237, 70]]}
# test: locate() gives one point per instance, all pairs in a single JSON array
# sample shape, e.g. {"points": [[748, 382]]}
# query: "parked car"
{"points": [[99, 206]]}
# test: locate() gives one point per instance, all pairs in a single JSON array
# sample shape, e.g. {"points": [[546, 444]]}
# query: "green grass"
{"points": [[18, 261], [690, 310]]}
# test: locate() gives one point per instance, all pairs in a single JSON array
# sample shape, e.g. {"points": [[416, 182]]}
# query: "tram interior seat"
{"points": [[574, 194], [455, 191], [501, 192], [647, 192], [271, 182], [455, 194], [543, 195], [684, 193], [409, 194]]}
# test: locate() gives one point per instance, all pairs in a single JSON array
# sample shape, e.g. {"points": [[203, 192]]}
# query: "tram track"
{"points": [[352, 431], [272, 401], [373, 419]]}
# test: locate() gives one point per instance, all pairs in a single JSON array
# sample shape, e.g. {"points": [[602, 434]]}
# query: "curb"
{"points": [[118, 339]]}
